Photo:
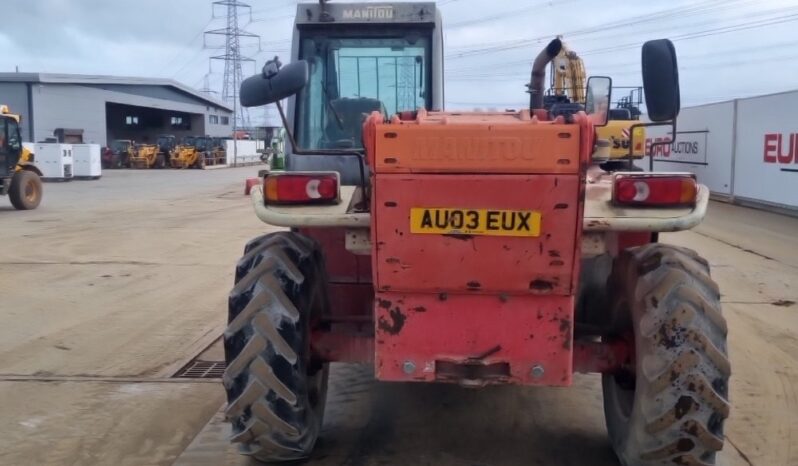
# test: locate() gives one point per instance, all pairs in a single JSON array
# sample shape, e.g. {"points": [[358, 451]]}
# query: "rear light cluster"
{"points": [[301, 188], [656, 190]]}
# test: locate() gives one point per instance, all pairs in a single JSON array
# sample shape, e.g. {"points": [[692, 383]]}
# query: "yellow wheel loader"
{"points": [[19, 177], [189, 154], [146, 156]]}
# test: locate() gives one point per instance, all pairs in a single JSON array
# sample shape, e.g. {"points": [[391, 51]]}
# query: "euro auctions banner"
{"points": [[703, 145], [689, 147], [766, 168]]}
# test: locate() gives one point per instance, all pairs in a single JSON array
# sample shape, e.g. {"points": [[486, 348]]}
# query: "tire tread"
{"points": [[680, 329], [265, 377]]}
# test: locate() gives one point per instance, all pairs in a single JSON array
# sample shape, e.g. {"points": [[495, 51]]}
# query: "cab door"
{"points": [[10, 146]]}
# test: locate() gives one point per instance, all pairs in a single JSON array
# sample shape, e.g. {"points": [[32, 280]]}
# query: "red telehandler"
{"points": [[469, 248]]}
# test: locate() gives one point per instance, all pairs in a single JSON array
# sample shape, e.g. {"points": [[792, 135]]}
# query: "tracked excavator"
{"points": [[568, 90]]}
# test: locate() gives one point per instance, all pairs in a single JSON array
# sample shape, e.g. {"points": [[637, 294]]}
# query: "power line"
{"points": [[625, 34], [706, 33], [488, 73], [516, 12], [681, 12], [206, 85], [185, 65], [189, 43]]}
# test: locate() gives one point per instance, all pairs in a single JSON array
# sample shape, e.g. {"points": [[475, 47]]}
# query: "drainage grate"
{"points": [[202, 370]]}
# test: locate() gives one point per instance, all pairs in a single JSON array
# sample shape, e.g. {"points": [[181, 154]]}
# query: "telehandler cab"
{"points": [[470, 248]]}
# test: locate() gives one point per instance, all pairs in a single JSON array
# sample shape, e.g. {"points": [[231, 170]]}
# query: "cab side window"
{"points": [[9, 136], [14, 142], [3, 135]]}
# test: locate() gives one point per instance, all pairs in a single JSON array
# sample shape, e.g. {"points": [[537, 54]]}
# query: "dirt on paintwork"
{"points": [[396, 323]]}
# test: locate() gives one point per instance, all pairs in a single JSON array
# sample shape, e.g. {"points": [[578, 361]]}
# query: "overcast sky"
{"points": [[727, 48]]}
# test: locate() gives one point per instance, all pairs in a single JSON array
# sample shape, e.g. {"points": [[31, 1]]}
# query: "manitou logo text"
{"points": [[372, 12], [781, 148]]}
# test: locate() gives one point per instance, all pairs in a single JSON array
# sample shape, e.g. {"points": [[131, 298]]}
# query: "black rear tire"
{"points": [[276, 390], [672, 409], [25, 190]]}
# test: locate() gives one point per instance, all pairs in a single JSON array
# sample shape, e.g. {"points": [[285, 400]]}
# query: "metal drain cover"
{"points": [[202, 370]]}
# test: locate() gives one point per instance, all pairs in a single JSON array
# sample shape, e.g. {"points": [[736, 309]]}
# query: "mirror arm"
{"points": [[662, 143], [632, 128], [360, 158]]}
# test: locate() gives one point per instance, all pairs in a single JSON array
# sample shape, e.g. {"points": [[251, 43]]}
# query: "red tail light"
{"points": [[649, 189], [301, 188]]}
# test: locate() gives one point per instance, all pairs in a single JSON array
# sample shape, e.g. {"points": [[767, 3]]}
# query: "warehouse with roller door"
{"points": [[99, 109]]}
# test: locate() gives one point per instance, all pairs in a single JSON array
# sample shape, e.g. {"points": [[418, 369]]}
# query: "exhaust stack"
{"points": [[539, 73]]}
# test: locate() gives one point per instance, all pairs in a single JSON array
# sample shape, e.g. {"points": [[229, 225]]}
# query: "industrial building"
{"points": [[98, 109]]}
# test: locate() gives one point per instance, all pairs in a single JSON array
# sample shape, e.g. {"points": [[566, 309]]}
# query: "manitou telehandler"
{"points": [[469, 248], [19, 177]]}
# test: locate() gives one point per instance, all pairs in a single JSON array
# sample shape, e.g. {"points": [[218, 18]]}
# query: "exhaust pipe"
{"points": [[539, 73]]}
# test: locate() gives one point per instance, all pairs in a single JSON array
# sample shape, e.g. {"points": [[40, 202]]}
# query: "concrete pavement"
{"points": [[112, 286]]}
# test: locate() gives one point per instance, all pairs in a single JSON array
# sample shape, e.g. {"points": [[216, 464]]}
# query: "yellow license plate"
{"points": [[491, 222]]}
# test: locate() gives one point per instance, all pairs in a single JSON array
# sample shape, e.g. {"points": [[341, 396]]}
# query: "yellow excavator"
{"points": [[567, 86], [19, 177]]}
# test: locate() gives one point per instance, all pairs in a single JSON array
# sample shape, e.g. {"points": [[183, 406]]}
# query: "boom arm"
{"points": [[568, 75]]}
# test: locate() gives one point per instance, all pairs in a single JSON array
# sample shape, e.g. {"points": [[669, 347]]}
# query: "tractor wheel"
{"points": [[672, 409], [25, 191], [276, 390]]}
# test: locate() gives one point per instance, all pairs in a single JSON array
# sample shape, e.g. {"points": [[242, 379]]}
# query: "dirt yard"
{"points": [[114, 285]]}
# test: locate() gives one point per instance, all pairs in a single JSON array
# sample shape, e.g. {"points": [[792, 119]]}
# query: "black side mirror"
{"points": [[661, 80], [274, 84]]}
